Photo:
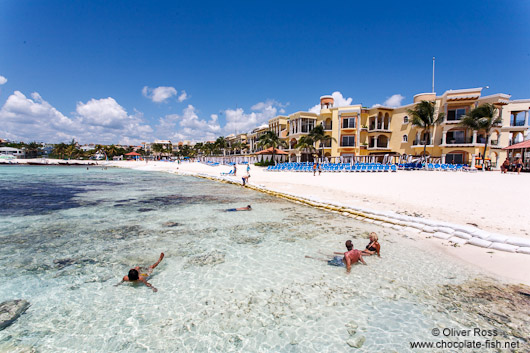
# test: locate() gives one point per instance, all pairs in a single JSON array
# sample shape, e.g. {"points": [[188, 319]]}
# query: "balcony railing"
{"points": [[327, 127], [347, 145], [379, 145], [517, 123], [378, 127], [421, 143], [458, 141]]}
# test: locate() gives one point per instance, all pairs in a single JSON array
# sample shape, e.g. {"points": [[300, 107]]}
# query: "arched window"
{"points": [[405, 119], [405, 138]]}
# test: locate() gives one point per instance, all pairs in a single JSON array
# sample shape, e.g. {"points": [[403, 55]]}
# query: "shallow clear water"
{"points": [[230, 281]]}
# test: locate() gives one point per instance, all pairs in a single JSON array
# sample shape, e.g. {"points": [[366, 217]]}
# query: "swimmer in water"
{"points": [[248, 208], [141, 274]]}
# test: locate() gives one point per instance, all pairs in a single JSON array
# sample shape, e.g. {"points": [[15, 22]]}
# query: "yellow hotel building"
{"points": [[385, 134]]}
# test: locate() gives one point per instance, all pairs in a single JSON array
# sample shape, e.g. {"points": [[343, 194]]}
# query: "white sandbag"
{"points": [[462, 235], [524, 250], [458, 241], [445, 230], [442, 235], [428, 229], [497, 238], [523, 242], [503, 247], [479, 242]]}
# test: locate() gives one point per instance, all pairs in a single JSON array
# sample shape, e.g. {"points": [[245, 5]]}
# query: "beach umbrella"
{"points": [[133, 154]]}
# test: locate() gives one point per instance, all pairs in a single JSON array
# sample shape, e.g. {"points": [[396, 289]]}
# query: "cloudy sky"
{"points": [[133, 71]]}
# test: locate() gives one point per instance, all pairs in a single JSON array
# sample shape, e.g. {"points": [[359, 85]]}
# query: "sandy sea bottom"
{"points": [[230, 281]]}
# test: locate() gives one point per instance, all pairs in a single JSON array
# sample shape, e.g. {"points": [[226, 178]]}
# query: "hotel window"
{"points": [[308, 125], [348, 123], [455, 114], [405, 119], [405, 138], [518, 118], [348, 141]]}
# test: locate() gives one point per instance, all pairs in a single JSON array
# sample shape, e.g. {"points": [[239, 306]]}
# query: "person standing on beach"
{"points": [[319, 169], [235, 169], [248, 169], [519, 164], [140, 274], [314, 169], [245, 179], [505, 165]]}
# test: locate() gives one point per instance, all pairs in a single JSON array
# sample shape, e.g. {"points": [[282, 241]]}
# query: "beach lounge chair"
{"points": [[229, 173], [393, 168]]}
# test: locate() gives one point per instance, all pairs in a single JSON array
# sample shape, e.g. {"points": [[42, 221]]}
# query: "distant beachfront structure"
{"points": [[386, 133]]}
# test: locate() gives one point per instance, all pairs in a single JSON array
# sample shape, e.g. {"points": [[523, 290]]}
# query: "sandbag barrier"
{"points": [[454, 233]]}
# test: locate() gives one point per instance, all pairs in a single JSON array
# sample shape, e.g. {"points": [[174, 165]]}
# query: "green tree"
{"points": [[423, 116], [318, 135], [270, 139], [33, 149], [221, 144], [59, 150], [111, 151], [157, 149], [306, 144], [482, 118]]}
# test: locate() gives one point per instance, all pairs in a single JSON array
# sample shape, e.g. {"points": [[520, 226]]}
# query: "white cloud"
{"points": [[2, 80], [159, 94], [99, 121], [188, 126], [183, 96], [239, 121], [24, 118], [338, 101], [392, 101]]}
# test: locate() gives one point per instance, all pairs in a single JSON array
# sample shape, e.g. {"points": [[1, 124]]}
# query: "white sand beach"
{"points": [[490, 201]]}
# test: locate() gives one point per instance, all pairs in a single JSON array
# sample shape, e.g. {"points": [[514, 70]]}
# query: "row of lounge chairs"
{"points": [[435, 166], [333, 167]]}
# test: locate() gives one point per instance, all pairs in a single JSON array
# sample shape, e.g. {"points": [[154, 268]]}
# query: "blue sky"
{"points": [[133, 71]]}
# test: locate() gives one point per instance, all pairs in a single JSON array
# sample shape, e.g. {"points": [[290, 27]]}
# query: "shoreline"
{"points": [[441, 236], [504, 265]]}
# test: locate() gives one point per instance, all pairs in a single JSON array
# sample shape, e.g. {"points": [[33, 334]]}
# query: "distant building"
{"points": [[13, 152]]}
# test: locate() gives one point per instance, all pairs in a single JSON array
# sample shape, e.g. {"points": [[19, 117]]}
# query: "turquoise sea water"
{"points": [[230, 281]]}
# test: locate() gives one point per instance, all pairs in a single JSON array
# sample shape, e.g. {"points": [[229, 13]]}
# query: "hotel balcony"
{"points": [[379, 128], [327, 127], [378, 147], [421, 143]]}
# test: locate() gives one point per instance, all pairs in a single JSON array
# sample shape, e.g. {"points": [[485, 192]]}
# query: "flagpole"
{"points": [[433, 59]]}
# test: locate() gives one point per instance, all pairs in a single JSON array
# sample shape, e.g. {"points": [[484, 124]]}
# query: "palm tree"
{"points": [[318, 135], [33, 149], [423, 116], [270, 139], [111, 151], [306, 143], [157, 148], [221, 144], [59, 150], [482, 118]]}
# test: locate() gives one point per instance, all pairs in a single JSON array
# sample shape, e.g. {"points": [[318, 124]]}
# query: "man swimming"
{"points": [[141, 274], [248, 208]]}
